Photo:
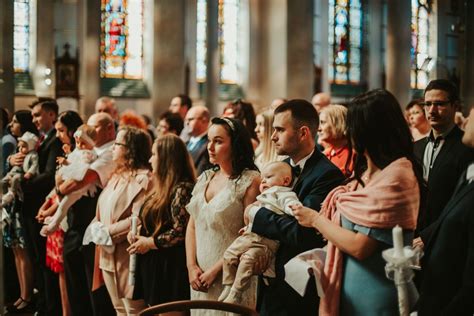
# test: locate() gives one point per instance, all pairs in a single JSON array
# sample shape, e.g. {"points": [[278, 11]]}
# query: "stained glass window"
{"points": [[345, 41], [201, 43], [228, 22], [121, 43], [420, 11], [21, 35]]}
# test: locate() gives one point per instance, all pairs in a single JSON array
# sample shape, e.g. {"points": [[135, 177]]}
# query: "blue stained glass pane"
{"points": [[355, 37], [331, 35], [354, 73], [20, 60], [355, 18], [341, 17], [22, 13], [355, 4], [341, 57], [340, 31], [355, 56]]}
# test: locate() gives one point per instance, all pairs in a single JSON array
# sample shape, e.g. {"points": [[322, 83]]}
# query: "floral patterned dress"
{"points": [[161, 274]]}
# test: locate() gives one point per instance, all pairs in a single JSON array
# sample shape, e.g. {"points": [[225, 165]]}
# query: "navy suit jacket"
{"points": [[448, 279], [200, 155], [316, 180], [36, 189]]}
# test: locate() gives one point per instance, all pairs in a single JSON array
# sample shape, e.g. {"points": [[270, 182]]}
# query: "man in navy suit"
{"points": [[295, 126], [197, 122], [442, 153], [448, 283], [44, 114]]}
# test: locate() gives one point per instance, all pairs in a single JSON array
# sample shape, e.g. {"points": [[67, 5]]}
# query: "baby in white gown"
{"points": [[73, 168]]}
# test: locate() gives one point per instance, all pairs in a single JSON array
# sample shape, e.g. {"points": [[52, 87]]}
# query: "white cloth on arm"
{"points": [[98, 234]]}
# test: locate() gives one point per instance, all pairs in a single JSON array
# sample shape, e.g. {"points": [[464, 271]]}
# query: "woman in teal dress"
{"points": [[357, 218]]}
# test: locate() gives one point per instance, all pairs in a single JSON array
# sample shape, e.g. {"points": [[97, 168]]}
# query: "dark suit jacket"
{"points": [[448, 283], [452, 160], [200, 156], [317, 179], [36, 189]]}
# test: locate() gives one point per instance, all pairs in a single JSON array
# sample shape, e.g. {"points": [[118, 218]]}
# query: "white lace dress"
{"points": [[217, 223]]}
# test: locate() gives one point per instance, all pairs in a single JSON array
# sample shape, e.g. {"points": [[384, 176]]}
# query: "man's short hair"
{"points": [[106, 100], [302, 113], [445, 85], [185, 100], [47, 104]]}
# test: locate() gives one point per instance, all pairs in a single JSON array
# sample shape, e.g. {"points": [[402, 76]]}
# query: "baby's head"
{"points": [[85, 137], [27, 142], [276, 173]]}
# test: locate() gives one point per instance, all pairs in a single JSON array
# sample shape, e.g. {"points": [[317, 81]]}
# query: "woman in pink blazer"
{"points": [[121, 198]]}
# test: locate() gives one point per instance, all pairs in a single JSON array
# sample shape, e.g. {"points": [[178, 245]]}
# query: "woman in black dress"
{"points": [[161, 274]]}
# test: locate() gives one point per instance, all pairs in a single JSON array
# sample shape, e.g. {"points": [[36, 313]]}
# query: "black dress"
{"points": [[161, 274]]}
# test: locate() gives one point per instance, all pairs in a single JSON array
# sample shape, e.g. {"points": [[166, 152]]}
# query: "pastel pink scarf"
{"points": [[391, 198]]}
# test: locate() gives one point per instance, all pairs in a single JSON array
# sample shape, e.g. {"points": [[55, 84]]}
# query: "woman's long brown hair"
{"points": [[174, 166]]}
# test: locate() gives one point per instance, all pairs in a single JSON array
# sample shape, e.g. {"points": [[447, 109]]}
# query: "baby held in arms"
{"points": [[241, 256], [74, 168]]}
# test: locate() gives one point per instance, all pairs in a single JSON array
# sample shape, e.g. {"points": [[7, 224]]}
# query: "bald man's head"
{"points": [[104, 127], [321, 100], [197, 120]]}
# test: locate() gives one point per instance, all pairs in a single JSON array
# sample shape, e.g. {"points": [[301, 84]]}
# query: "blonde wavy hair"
{"points": [[266, 149], [336, 116]]}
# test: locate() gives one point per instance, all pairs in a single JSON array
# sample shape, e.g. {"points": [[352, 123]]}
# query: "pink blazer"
{"points": [[118, 201]]}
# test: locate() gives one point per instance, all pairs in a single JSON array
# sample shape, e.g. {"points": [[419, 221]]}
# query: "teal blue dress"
{"points": [[365, 290]]}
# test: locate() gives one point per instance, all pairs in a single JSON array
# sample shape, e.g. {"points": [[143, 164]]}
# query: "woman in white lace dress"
{"points": [[216, 208]]}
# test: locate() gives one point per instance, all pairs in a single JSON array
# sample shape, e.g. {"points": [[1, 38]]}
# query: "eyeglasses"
{"points": [[120, 144], [436, 103]]}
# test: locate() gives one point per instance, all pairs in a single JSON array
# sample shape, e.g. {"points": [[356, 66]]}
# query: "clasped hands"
{"points": [[200, 280], [139, 244]]}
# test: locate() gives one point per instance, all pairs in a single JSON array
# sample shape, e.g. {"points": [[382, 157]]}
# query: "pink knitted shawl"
{"points": [[391, 198]]}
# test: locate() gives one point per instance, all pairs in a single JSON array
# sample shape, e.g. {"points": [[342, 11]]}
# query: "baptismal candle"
{"points": [[133, 258], [397, 235]]}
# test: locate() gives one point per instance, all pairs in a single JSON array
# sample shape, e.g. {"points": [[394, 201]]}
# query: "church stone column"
{"points": [[375, 45], [190, 49], [213, 64], [7, 87], [398, 49], [169, 60], [299, 49], [89, 57], [44, 46]]}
